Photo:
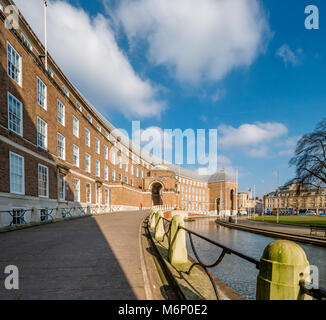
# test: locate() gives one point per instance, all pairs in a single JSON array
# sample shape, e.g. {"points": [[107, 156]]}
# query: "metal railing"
{"points": [[316, 293], [18, 216]]}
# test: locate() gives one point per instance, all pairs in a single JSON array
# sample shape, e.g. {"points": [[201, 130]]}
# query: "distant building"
{"points": [[248, 204], [289, 200]]}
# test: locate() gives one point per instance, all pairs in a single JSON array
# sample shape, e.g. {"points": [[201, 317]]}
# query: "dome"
{"points": [[220, 176], [161, 167]]}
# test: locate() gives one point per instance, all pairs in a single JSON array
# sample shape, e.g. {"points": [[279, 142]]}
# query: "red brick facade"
{"points": [[132, 191]]}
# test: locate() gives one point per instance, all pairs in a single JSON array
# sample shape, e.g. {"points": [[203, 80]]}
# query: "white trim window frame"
{"points": [[97, 146], [98, 168], [26, 41], [87, 138], [14, 64], [15, 115], [106, 173], [41, 93], [88, 192], [62, 187], [106, 152], [16, 164], [43, 181], [75, 126], [61, 144], [61, 112], [75, 153], [76, 190], [87, 163], [42, 133]]}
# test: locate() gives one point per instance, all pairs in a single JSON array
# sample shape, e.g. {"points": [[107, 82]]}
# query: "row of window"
{"points": [[194, 183], [17, 176], [14, 66], [193, 198]]}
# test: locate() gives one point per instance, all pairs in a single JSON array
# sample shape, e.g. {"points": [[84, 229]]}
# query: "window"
{"points": [[97, 146], [90, 119], [15, 115], [142, 174], [137, 172], [76, 156], [87, 163], [126, 167], [61, 146], [113, 175], [132, 182], [131, 169], [126, 180], [120, 162], [99, 128], [18, 216], [106, 153], [41, 93], [98, 174], [14, 64], [76, 189], [61, 112], [88, 193], [79, 107], [17, 178], [112, 157], [75, 126], [106, 196], [26, 41], [43, 181], [65, 91], [106, 172], [62, 187], [42, 133], [87, 138], [120, 177]]}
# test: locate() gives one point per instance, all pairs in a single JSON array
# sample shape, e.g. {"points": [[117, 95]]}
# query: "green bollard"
{"points": [[282, 265], [159, 226], [178, 254]]}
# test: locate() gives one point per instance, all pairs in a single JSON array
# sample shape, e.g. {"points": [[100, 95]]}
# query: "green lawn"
{"points": [[296, 220]]}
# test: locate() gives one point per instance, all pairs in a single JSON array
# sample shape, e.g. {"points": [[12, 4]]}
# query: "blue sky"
{"points": [[262, 85]]}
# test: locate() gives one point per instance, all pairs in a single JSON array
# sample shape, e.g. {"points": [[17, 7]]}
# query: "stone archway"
{"points": [[156, 194]]}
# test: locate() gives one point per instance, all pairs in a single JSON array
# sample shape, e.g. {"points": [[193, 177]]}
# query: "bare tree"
{"points": [[310, 158]]}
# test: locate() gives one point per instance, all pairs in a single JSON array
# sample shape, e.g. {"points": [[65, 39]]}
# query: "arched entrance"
{"points": [[156, 194]]}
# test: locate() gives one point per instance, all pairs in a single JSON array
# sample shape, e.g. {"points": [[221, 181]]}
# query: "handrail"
{"points": [[17, 216], [316, 293]]}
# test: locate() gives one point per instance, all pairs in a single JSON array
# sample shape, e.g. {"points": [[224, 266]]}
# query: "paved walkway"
{"points": [[88, 258]]}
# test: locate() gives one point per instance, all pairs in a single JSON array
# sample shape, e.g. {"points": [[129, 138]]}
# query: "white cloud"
{"points": [[250, 134], [288, 55], [85, 48], [197, 40]]}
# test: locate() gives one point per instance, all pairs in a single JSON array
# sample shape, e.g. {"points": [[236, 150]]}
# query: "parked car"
{"points": [[243, 213]]}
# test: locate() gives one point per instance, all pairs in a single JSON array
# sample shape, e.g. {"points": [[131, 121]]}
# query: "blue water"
{"points": [[237, 273]]}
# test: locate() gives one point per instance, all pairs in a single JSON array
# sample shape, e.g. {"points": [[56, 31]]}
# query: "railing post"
{"points": [[152, 220], [178, 254], [282, 266], [159, 226], [34, 216], [58, 214]]}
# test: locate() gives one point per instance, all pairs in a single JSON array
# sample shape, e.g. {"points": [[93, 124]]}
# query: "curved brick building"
{"points": [[57, 150]]}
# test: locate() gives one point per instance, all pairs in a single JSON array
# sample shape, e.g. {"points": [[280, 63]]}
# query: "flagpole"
{"points": [[45, 36]]}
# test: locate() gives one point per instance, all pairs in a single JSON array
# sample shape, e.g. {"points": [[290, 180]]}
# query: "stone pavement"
{"points": [[87, 258]]}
